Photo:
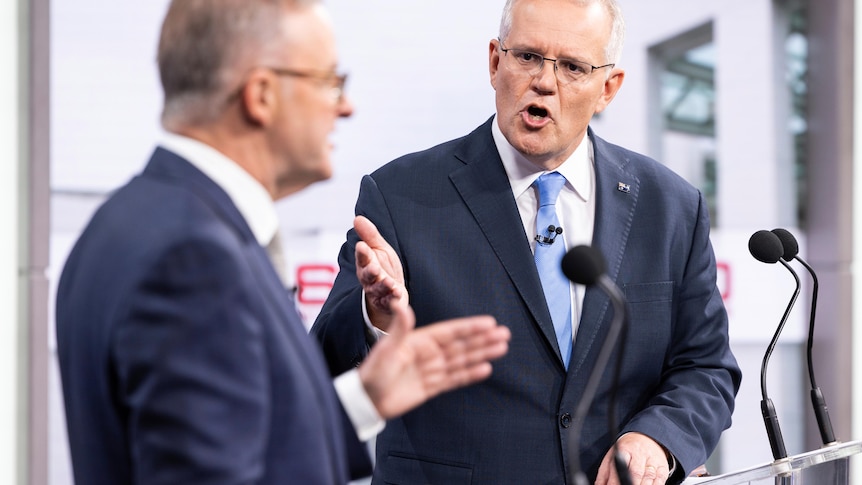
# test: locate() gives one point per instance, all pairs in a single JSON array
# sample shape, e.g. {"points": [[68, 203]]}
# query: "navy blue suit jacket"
{"points": [[182, 357], [450, 214]]}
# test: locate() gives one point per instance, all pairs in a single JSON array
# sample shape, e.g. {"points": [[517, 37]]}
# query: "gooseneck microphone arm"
{"points": [[585, 265], [770, 417], [595, 378], [620, 464], [767, 247], [821, 411], [811, 377], [818, 402]]}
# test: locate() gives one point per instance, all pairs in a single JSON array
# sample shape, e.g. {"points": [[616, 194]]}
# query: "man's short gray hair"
{"points": [[613, 50], [206, 46]]}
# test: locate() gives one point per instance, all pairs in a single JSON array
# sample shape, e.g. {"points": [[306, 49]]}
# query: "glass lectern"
{"points": [[829, 465]]}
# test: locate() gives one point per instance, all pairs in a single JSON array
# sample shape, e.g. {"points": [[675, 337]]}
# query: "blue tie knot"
{"points": [[549, 186]]}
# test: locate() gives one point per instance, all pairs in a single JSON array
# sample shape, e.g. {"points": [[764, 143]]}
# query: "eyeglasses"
{"points": [[567, 70], [335, 81]]}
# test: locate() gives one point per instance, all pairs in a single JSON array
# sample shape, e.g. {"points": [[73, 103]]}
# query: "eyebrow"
{"points": [[535, 50], [538, 52]]}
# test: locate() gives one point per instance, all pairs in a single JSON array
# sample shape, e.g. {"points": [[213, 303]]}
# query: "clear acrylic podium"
{"points": [[829, 465]]}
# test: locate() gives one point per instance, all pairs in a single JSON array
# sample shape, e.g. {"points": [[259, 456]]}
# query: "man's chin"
{"points": [[533, 148]]}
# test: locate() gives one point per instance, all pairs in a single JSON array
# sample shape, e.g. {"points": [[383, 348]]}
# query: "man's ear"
{"points": [[493, 61], [259, 97], [611, 87]]}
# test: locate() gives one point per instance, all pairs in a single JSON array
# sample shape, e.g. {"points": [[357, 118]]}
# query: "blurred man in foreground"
{"points": [[182, 357]]}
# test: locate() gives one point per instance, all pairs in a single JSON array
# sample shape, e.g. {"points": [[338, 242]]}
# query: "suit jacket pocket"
{"points": [[402, 470], [660, 291], [650, 308]]}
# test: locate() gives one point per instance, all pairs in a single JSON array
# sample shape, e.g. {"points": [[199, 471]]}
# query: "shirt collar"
{"points": [[578, 168], [248, 195]]}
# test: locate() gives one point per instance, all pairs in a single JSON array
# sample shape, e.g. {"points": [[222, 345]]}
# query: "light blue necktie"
{"points": [[550, 249]]}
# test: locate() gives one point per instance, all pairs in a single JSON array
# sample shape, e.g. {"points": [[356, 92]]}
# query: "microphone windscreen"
{"points": [[765, 247], [583, 265], [788, 241]]}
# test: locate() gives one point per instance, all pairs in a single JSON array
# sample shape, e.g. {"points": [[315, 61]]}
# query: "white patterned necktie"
{"points": [[550, 250]]}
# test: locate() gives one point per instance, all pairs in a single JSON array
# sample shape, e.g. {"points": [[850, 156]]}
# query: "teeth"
{"points": [[536, 113]]}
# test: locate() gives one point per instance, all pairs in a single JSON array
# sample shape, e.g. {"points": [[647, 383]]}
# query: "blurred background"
{"points": [[752, 101]]}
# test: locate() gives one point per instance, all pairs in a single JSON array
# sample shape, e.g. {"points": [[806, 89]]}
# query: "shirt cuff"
{"points": [[358, 406]]}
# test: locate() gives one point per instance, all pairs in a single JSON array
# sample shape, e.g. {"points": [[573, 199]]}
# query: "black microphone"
{"points": [[553, 232], [767, 248], [821, 411], [586, 266]]}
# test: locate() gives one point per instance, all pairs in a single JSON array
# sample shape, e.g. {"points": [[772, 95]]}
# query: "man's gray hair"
{"points": [[205, 48], [613, 50]]}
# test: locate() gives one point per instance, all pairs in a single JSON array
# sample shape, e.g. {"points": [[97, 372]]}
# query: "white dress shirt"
{"points": [[257, 208]]}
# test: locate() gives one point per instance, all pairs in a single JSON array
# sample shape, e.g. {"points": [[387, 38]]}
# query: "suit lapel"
{"points": [[617, 192], [174, 169], [168, 166], [484, 186]]}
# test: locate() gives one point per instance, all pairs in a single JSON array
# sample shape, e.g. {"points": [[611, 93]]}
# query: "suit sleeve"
{"points": [[695, 398], [191, 370], [340, 327]]}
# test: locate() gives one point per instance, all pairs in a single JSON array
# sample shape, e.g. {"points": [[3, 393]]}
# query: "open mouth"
{"points": [[537, 112]]}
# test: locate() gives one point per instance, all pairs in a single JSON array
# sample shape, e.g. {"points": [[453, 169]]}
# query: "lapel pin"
{"points": [[624, 188]]}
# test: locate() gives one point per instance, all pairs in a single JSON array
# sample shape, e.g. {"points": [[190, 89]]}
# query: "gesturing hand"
{"points": [[409, 366], [378, 270], [647, 461]]}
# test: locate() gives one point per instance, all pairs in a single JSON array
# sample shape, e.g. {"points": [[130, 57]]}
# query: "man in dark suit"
{"points": [[458, 229], [182, 357]]}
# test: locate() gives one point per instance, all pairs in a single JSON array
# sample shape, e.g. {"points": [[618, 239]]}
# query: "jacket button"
{"points": [[566, 420]]}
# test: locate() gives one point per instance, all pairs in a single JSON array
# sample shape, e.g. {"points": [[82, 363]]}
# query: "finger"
{"points": [[625, 456], [484, 344], [387, 258], [468, 340], [377, 286], [489, 351], [364, 254], [367, 231], [626, 459], [463, 357], [647, 473], [403, 321], [460, 354], [465, 369], [647, 460], [466, 328], [636, 468], [441, 375], [604, 475], [463, 377], [367, 263]]}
